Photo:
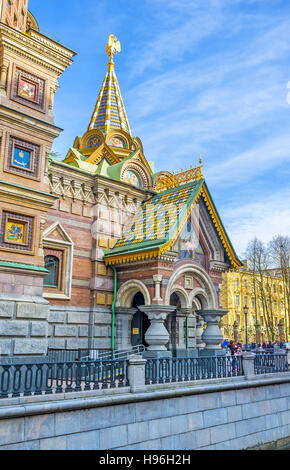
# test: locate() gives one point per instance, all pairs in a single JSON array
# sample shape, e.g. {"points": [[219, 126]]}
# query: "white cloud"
{"points": [[264, 218]]}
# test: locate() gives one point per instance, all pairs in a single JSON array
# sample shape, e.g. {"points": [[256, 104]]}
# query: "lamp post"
{"points": [[246, 309]]}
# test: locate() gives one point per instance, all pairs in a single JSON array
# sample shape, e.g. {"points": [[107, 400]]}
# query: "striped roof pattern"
{"points": [[156, 218], [110, 111]]}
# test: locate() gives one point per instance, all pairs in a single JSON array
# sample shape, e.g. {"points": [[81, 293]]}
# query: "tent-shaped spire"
{"points": [[110, 111]]}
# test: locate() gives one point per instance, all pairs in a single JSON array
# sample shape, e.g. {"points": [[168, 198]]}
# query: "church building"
{"points": [[98, 250]]}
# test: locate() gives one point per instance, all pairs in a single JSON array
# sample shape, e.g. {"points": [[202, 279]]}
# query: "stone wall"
{"points": [[23, 325], [71, 327], [227, 414]]}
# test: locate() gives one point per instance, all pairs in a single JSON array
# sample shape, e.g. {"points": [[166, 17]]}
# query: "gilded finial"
{"points": [[113, 47], [200, 166]]}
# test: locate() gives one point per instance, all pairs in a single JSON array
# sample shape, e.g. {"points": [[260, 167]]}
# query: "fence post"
{"points": [[288, 353], [136, 374], [248, 359]]}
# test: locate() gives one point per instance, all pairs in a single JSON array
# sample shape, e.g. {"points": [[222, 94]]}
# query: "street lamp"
{"points": [[246, 310]]}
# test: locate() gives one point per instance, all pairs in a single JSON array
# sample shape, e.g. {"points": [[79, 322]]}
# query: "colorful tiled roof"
{"points": [[159, 221], [110, 111]]}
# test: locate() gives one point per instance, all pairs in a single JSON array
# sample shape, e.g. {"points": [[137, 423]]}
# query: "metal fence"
{"points": [[63, 355], [269, 363], [159, 371], [46, 378]]}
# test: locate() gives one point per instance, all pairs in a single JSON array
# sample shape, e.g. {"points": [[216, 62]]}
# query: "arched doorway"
{"points": [[140, 322]]}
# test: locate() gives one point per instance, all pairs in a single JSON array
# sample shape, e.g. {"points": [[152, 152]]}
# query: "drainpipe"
{"points": [[113, 306]]}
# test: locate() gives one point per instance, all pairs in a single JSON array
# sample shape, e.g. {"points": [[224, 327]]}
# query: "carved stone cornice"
{"points": [[37, 48], [218, 266], [26, 195], [13, 116]]}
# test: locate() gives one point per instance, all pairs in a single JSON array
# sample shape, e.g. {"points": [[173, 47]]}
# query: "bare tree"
{"points": [[259, 263], [279, 250]]}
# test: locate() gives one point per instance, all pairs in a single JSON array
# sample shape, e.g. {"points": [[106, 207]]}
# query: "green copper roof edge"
{"points": [[9, 264], [220, 220], [28, 188]]}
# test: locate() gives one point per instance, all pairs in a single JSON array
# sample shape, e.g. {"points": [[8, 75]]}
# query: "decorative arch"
{"points": [[182, 294], [137, 168], [127, 292], [123, 135], [199, 297], [201, 275], [88, 135]]}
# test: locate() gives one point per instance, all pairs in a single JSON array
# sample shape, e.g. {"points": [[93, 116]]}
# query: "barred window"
{"points": [[52, 266]]}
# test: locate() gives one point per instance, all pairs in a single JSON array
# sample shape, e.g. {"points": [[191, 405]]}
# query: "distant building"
{"points": [[266, 306]]}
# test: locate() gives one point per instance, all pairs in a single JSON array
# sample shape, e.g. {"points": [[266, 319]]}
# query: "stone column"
{"points": [[3, 77], [157, 335], [181, 350], [124, 318], [212, 336], [199, 330], [157, 280]]}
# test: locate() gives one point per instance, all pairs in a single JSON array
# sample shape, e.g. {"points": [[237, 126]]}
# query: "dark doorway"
{"points": [[171, 323], [140, 322]]}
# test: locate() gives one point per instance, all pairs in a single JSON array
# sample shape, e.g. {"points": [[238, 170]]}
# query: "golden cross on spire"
{"points": [[113, 47]]}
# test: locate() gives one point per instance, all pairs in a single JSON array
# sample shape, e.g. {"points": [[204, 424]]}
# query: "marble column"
{"points": [[212, 335], [157, 335], [157, 280], [123, 320]]}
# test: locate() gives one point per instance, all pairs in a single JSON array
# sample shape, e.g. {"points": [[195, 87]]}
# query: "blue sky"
{"points": [[197, 77]]}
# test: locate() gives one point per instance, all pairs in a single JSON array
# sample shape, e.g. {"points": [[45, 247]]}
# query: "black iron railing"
{"points": [[63, 355], [46, 378], [185, 369], [269, 363]]}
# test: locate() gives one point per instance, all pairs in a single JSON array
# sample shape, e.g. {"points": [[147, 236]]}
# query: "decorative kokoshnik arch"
{"points": [[208, 292]]}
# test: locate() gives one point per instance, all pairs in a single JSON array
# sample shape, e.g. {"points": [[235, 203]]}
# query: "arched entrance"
{"points": [[140, 322]]}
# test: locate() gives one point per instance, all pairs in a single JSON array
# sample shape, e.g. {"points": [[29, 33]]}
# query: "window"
{"points": [[245, 300], [253, 302], [281, 289], [275, 304], [282, 306], [237, 282], [58, 255], [8, 6], [274, 288], [245, 284], [262, 321], [52, 277], [253, 285], [237, 300]]}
